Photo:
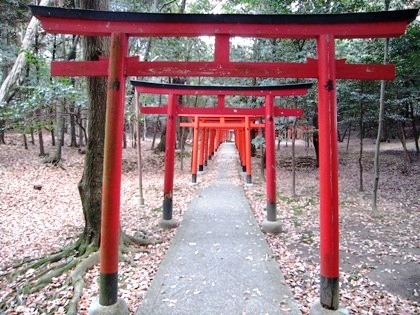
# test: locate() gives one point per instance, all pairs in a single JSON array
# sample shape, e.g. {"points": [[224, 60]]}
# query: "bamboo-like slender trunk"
{"points": [[380, 129]]}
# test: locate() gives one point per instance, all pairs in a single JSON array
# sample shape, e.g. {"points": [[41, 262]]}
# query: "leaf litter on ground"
{"points": [[35, 222]]}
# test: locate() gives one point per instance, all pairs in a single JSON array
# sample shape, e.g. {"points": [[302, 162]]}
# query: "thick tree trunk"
{"points": [[90, 186]]}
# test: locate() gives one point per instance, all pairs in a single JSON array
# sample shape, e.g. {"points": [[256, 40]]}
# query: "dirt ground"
{"points": [[380, 271], [379, 256]]}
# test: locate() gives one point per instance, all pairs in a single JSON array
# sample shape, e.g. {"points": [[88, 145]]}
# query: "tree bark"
{"points": [[380, 130], [294, 158], [414, 127], [2, 127], [90, 186], [403, 140], [14, 76]]}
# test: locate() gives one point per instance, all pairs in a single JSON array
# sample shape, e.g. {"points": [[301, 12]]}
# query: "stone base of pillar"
{"points": [[119, 308], [317, 309], [167, 224], [271, 227]]}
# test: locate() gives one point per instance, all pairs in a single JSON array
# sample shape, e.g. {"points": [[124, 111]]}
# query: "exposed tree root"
{"points": [[79, 284], [32, 275]]}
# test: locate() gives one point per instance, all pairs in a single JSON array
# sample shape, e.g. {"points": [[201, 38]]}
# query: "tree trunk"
{"points": [[293, 159], [2, 127], [139, 159], [32, 136], [348, 138], [7, 88], [73, 136], [380, 127], [90, 186], [162, 144], [414, 127], [155, 132], [41, 143], [14, 75], [25, 141], [59, 134], [82, 129], [403, 140]]}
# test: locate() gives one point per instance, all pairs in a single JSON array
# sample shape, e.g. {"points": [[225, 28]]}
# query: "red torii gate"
{"points": [[269, 111], [324, 28]]}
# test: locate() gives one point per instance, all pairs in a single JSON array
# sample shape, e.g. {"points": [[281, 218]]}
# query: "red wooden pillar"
{"points": [[248, 150], [218, 131], [241, 134], [167, 221], [206, 146], [270, 159], [270, 225], [328, 173], [212, 139], [111, 189], [195, 151], [202, 144]]}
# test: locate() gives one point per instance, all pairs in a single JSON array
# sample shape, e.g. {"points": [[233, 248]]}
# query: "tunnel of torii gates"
{"points": [[214, 124], [323, 28]]}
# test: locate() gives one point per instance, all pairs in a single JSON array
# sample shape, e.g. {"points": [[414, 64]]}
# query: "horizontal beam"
{"points": [[215, 125], [103, 23], [225, 111], [302, 70], [221, 90]]}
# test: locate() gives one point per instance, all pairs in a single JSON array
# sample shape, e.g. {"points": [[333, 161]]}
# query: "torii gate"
{"points": [[324, 28], [269, 111]]}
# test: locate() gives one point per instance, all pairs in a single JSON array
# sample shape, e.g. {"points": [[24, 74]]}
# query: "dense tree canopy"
{"points": [[34, 106]]}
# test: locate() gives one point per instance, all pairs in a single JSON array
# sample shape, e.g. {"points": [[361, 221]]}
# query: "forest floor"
{"points": [[380, 271]]}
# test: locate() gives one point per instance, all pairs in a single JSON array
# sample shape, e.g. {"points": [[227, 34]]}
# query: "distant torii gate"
{"points": [[226, 114], [324, 28]]}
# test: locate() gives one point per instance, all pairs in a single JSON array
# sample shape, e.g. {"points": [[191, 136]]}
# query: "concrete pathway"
{"points": [[219, 261]]}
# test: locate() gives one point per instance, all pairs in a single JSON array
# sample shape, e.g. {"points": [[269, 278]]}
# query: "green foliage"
{"points": [[38, 92], [23, 113], [258, 141]]}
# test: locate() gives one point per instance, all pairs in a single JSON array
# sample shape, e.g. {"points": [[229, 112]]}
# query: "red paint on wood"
{"points": [[194, 163], [270, 151], [88, 27], [170, 147], [328, 158], [110, 224], [308, 69], [248, 145], [186, 111]]}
